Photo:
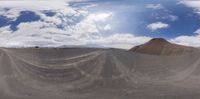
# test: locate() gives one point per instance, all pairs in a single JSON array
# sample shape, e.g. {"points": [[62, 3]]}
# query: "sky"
{"points": [[98, 23]]}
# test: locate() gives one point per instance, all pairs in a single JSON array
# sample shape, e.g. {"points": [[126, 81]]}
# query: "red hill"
{"points": [[160, 46]]}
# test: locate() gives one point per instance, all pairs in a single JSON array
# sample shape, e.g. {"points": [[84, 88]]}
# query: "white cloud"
{"points": [[45, 32], [163, 13], [154, 6], [195, 4], [99, 16], [88, 26], [169, 17], [120, 40], [36, 6], [32, 34], [188, 40], [157, 25], [107, 27], [173, 17], [197, 31]]}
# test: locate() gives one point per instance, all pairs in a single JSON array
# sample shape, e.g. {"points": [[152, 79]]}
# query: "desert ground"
{"points": [[97, 73]]}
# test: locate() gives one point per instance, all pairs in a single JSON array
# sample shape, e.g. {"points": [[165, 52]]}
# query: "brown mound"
{"points": [[160, 46]]}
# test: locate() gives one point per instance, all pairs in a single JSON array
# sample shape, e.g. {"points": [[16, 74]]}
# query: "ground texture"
{"points": [[88, 73]]}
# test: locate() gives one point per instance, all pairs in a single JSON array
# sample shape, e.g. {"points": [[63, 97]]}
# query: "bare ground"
{"points": [[89, 73]]}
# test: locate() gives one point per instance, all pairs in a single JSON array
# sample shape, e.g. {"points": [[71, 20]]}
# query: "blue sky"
{"points": [[105, 23], [134, 16]]}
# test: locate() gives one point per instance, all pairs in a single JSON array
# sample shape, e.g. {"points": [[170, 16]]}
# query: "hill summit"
{"points": [[160, 46]]}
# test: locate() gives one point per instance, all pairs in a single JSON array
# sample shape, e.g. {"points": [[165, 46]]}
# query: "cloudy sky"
{"points": [[98, 23]]}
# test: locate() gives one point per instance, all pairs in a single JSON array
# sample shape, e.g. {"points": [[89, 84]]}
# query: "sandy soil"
{"points": [[89, 73]]}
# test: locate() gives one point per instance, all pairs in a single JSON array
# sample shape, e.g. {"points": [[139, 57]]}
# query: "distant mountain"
{"points": [[160, 46]]}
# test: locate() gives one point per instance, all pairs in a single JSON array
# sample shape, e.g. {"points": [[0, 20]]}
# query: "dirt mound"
{"points": [[160, 46]]}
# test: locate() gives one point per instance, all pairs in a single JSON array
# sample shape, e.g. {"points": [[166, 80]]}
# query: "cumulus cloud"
{"points": [[157, 25], [188, 40], [197, 31], [107, 27], [162, 13], [36, 6], [173, 17], [195, 4], [154, 6], [67, 26], [121, 40], [166, 16], [44, 32]]}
